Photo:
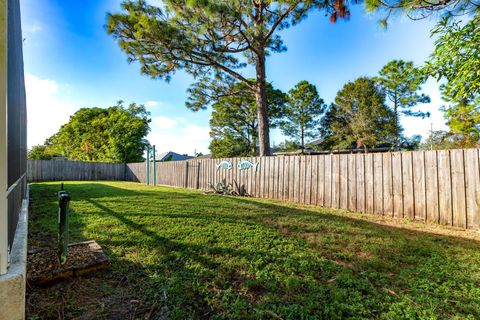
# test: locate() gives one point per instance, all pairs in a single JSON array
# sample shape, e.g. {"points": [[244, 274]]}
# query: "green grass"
{"points": [[179, 254]]}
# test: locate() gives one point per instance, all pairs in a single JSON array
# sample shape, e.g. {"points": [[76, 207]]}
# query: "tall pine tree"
{"points": [[212, 40], [234, 123], [302, 114], [359, 117], [401, 82]]}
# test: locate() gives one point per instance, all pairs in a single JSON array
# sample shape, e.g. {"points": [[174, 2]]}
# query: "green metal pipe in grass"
{"points": [[154, 168], [63, 203], [148, 165]]}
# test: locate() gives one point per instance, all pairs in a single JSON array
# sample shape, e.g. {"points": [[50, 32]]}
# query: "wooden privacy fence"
{"points": [[63, 170], [435, 186]]}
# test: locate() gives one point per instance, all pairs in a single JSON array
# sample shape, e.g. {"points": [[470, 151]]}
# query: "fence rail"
{"points": [[435, 186], [63, 170]]}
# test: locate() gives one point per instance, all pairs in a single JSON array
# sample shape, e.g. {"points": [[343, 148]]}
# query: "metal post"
{"points": [[197, 185], [63, 201], [154, 168], [3, 140], [147, 179], [186, 175]]}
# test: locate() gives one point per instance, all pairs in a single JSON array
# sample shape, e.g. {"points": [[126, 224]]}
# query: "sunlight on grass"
{"points": [[182, 254]]}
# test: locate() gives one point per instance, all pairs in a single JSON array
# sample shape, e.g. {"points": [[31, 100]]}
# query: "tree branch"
{"points": [[280, 19]]}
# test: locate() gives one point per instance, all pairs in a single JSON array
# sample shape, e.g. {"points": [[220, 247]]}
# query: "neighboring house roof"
{"points": [[316, 142], [59, 157], [205, 156], [340, 151], [172, 156]]}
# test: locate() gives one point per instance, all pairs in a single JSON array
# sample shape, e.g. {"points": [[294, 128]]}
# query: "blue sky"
{"points": [[70, 62]]}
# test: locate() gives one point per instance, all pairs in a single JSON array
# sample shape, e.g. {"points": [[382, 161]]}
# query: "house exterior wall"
{"points": [[3, 138], [16, 119], [13, 148]]}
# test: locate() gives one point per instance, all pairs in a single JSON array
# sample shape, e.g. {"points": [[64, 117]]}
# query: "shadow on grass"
{"points": [[248, 258]]}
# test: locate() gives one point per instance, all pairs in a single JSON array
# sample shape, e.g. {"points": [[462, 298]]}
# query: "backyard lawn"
{"points": [[179, 254]]}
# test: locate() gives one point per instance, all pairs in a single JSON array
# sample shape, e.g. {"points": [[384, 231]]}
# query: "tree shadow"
{"points": [[249, 258]]}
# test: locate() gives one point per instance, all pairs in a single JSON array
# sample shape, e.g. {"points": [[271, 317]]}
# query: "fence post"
{"points": [[197, 185], [147, 163], [154, 168], [186, 174], [3, 140]]}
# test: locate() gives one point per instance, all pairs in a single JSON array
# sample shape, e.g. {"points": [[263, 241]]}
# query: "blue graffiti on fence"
{"points": [[246, 164], [227, 165]]}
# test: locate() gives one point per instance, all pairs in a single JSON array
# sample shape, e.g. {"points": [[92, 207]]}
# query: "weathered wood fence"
{"points": [[63, 170], [435, 186]]}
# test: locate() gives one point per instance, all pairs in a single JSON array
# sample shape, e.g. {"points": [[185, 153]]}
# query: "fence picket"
{"points": [[321, 181], [360, 169], [419, 191], [343, 176], [378, 183], [336, 181], [408, 195], [387, 184], [369, 184], [472, 175], [445, 187], [459, 209]]}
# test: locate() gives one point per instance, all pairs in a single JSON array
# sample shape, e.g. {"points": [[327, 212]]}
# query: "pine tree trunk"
{"points": [[253, 145], [395, 111], [261, 98], [303, 140]]}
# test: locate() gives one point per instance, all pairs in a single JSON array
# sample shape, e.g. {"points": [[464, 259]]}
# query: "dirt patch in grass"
{"points": [[43, 266], [99, 296]]}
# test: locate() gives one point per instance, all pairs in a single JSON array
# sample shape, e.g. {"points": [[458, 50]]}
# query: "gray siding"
{"points": [[16, 118]]}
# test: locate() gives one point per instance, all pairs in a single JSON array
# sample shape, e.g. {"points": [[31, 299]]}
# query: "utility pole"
{"points": [[147, 179], [154, 168]]}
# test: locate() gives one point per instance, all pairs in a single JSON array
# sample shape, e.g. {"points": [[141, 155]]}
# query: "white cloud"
{"points": [[46, 111], [151, 104], [181, 139], [33, 27], [163, 122]]}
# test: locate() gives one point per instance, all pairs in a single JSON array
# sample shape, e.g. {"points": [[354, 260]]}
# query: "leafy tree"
{"points": [[212, 40], [401, 82], [359, 117], [456, 59], [234, 122], [115, 134], [464, 123], [303, 111], [410, 143], [228, 146], [287, 146], [440, 140], [39, 152], [420, 9]]}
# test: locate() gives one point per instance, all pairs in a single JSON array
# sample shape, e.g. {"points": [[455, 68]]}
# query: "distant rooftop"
{"points": [[172, 156]]}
